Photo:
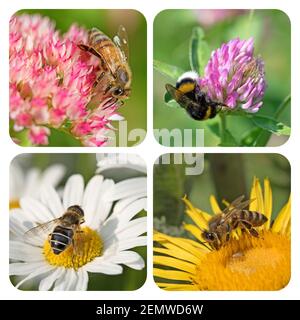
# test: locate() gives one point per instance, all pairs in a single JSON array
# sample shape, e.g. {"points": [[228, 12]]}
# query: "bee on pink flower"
{"points": [[51, 83]]}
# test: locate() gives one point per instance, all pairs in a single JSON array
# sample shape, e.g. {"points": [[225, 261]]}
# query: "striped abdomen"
{"points": [[255, 218], [60, 239], [106, 48]]}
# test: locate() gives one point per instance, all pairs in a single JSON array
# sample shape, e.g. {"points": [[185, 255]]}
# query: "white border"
{"points": [[149, 149]]}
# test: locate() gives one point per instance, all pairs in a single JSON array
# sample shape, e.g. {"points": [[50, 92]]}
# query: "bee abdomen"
{"points": [[256, 218], [60, 239]]}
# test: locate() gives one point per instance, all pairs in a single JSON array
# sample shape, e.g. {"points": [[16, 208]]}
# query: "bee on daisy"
{"points": [[64, 240]]}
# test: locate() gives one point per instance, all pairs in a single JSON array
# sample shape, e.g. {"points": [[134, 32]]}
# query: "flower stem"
{"points": [[282, 106], [222, 127]]}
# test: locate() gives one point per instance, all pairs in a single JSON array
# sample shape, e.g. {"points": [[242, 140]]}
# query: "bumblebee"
{"points": [[189, 96]]}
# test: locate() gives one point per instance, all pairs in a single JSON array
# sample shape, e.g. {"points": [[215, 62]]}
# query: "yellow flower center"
{"points": [[88, 246], [14, 204], [248, 263]]}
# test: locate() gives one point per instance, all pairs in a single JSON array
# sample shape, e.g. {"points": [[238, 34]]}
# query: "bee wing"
{"points": [[121, 41], [78, 243], [41, 231], [235, 206], [178, 96]]}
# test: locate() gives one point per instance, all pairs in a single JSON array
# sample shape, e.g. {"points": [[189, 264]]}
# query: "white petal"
{"points": [[35, 210], [137, 265], [24, 252], [83, 279], [53, 175], [130, 259], [32, 183], [130, 211], [71, 280], [21, 268], [95, 205], [38, 271], [16, 181], [129, 188], [125, 257], [16, 227], [48, 282], [51, 199], [61, 282], [134, 228], [122, 204], [100, 266], [132, 243], [73, 191], [123, 231]]}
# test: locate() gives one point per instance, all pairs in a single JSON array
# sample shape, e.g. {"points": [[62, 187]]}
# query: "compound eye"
{"points": [[118, 92], [210, 236]]}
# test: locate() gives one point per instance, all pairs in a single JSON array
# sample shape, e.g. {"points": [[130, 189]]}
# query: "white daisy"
{"points": [[109, 233], [23, 184]]}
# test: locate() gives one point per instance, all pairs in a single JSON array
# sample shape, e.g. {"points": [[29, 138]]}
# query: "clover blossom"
{"points": [[235, 77], [51, 83]]}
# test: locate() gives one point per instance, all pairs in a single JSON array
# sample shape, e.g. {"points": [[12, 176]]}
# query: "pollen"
{"points": [[87, 246], [246, 264]]}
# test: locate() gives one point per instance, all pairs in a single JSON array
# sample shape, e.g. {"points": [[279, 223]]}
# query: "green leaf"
{"points": [[228, 140], [214, 127], [271, 125], [199, 51], [167, 69], [251, 137]]}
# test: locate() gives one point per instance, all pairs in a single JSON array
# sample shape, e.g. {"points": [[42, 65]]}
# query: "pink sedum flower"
{"points": [[235, 77], [51, 83]]}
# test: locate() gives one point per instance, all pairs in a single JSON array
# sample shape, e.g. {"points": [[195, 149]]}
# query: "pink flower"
{"points": [[39, 135], [51, 82], [235, 77]]}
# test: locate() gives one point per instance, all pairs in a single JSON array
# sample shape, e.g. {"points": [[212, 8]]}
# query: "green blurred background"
{"points": [[272, 40], [135, 108], [85, 164], [227, 176]]}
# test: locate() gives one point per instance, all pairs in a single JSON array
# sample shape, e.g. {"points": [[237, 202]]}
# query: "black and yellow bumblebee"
{"points": [[189, 96]]}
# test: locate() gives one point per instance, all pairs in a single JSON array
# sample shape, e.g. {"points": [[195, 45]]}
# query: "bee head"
{"points": [[209, 236], [78, 210]]}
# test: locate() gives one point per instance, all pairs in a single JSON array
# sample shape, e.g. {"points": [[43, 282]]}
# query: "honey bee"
{"points": [[61, 231], [115, 77], [221, 225], [189, 96]]}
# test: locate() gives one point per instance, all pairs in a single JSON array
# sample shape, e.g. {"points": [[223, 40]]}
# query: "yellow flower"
{"points": [[244, 263]]}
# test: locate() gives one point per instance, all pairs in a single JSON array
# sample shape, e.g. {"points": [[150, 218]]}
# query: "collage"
{"points": [[149, 154]]}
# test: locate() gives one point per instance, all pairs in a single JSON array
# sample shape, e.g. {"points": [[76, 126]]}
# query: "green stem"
{"points": [[223, 127], [282, 106]]}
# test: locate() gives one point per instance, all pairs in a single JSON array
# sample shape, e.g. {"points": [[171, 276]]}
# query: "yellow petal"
{"points": [[281, 223], [175, 252], [267, 203], [214, 204], [177, 287], [175, 263], [196, 232], [256, 194], [199, 217], [171, 274]]}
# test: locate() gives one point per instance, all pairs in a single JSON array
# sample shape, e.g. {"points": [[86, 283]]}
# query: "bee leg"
{"points": [[99, 78], [249, 227]]}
